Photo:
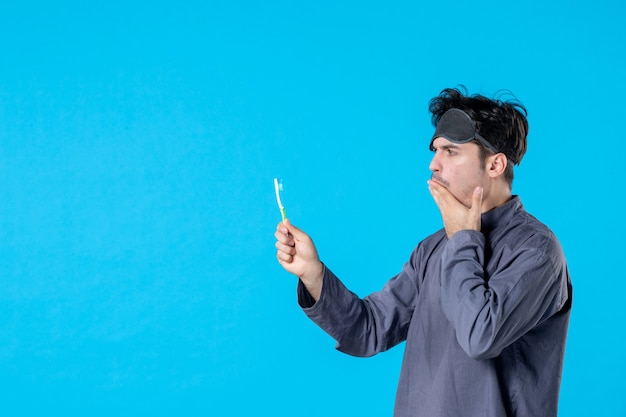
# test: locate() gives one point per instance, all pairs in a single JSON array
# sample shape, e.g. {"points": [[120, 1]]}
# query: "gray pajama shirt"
{"points": [[484, 316]]}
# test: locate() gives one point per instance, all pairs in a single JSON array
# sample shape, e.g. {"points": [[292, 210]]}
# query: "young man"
{"points": [[483, 304]]}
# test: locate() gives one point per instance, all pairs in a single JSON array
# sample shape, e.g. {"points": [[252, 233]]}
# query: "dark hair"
{"points": [[501, 123]]}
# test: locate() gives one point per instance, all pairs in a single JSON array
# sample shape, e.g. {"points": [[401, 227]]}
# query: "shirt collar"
{"points": [[500, 215]]}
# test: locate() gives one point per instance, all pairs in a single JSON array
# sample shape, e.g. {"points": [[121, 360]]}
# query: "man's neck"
{"points": [[498, 197]]}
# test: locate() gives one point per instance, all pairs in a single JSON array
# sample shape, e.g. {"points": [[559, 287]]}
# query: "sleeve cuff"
{"points": [[305, 300]]}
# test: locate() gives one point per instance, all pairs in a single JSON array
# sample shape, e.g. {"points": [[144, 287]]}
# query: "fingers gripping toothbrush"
{"points": [[278, 187]]}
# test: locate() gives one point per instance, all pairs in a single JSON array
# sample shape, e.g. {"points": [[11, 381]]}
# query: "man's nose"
{"points": [[434, 166]]}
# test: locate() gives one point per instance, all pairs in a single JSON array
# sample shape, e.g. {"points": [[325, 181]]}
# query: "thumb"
{"points": [[294, 231], [477, 200]]}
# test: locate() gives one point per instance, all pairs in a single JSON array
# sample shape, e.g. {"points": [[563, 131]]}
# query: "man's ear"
{"points": [[496, 164]]}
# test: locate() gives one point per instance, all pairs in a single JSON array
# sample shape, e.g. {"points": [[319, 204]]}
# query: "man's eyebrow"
{"points": [[445, 146]]}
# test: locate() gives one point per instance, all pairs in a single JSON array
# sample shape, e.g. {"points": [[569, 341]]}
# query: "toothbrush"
{"points": [[278, 188]]}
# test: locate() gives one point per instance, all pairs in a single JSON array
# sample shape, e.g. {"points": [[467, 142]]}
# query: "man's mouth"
{"points": [[440, 180]]}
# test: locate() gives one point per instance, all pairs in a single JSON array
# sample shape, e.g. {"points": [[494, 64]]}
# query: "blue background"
{"points": [[138, 144]]}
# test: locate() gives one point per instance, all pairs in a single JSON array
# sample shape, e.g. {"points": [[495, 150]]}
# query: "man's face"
{"points": [[458, 167]]}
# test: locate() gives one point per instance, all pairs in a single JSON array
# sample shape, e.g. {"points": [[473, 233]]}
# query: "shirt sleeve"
{"points": [[363, 327], [491, 312]]}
